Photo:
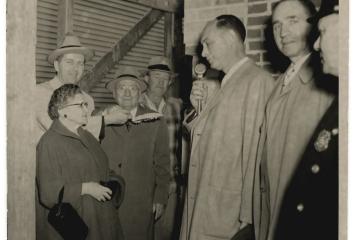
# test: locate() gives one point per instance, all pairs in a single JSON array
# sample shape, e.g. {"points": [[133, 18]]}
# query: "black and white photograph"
{"points": [[176, 120]]}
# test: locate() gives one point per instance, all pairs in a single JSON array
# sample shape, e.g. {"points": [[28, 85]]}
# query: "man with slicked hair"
{"points": [[295, 107], [224, 137]]}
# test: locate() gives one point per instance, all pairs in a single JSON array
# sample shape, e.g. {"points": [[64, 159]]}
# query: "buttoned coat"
{"points": [[69, 160], [222, 161], [140, 154], [292, 114], [310, 206]]}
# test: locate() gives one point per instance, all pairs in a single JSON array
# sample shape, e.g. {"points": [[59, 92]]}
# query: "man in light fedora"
{"points": [[159, 78], [69, 60], [138, 150]]}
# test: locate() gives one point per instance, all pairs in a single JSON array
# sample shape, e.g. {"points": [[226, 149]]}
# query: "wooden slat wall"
{"points": [[99, 25], [47, 27], [152, 44]]}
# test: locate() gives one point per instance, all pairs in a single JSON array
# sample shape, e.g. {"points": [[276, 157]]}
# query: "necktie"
{"points": [[128, 125], [289, 74]]}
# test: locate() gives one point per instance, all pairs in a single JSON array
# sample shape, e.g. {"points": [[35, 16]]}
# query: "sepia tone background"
{"points": [[122, 33]]}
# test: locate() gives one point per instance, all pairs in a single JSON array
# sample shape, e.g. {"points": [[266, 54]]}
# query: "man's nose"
{"points": [[283, 30], [316, 45], [127, 93], [161, 82]]}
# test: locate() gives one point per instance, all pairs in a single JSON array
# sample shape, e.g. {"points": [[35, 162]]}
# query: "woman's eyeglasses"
{"points": [[82, 105]]}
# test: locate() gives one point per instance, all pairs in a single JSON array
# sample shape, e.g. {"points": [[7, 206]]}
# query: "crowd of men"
{"points": [[263, 153]]}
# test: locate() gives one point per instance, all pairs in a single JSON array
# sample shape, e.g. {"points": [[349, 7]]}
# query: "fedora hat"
{"points": [[327, 7], [70, 44], [126, 73], [159, 63]]}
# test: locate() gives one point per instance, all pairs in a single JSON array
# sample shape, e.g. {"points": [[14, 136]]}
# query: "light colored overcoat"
{"points": [[292, 115], [222, 161]]}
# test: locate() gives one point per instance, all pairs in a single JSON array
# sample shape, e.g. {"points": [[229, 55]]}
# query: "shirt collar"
{"points": [[55, 83], [134, 112], [152, 106], [298, 64], [233, 69]]}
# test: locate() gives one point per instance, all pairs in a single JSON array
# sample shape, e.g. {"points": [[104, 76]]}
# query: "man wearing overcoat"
{"points": [[138, 151], [310, 205], [224, 136], [294, 109]]}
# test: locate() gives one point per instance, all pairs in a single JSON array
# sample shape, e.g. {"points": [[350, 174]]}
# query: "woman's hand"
{"points": [[97, 191]]}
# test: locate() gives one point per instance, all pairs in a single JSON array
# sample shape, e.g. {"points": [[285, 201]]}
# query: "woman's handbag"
{"points": [[66, 221]]}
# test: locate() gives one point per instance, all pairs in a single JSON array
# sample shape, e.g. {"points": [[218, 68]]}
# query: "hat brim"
{"points": [[88, 53], [112, 84], [315, 18], [322, 13], [172, 74]]}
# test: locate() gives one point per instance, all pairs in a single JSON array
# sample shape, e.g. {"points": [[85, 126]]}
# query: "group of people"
{"points": [[263, 153], [117, 165]]}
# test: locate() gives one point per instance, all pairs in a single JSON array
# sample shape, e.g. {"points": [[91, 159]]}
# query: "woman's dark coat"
{"points": [[65, 159]]}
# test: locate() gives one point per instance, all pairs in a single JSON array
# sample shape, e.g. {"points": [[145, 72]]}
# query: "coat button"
{"points": [[120, 165], [315, 168], [300, 207]]}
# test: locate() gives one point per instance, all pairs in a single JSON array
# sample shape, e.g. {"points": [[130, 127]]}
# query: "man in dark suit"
{"points": [[310, 205]]}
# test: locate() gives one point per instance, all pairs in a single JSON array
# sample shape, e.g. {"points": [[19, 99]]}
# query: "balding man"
{"points": [[295, 107], [310, 206], [224, 136]]}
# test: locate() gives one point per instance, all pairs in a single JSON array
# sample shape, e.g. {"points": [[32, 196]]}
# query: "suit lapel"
{"points": [[304, 76], [219, 95]]}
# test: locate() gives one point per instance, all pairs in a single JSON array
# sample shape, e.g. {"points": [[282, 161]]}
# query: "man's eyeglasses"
{"points": [[82, 105]]}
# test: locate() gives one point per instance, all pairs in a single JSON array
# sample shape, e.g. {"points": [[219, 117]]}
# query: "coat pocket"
{"points": [[220, 215]]}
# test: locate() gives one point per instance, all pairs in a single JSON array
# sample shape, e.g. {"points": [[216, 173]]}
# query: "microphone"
{"points": [[199, 69]]}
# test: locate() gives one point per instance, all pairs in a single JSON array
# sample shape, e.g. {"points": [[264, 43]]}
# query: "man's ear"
{"points": [[56, 65], [114, 94], [146, 78], [171, 80]]}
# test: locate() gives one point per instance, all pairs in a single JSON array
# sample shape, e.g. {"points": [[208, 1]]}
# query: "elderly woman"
{"points": [[68, 156], [139, 152]]}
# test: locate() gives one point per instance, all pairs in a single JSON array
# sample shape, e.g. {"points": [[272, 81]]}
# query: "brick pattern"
{"points": [[254, 13], [259, 12]]}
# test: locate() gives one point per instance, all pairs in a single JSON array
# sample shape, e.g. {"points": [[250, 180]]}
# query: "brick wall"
{"points": [[259, 12], [254, 14]]}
